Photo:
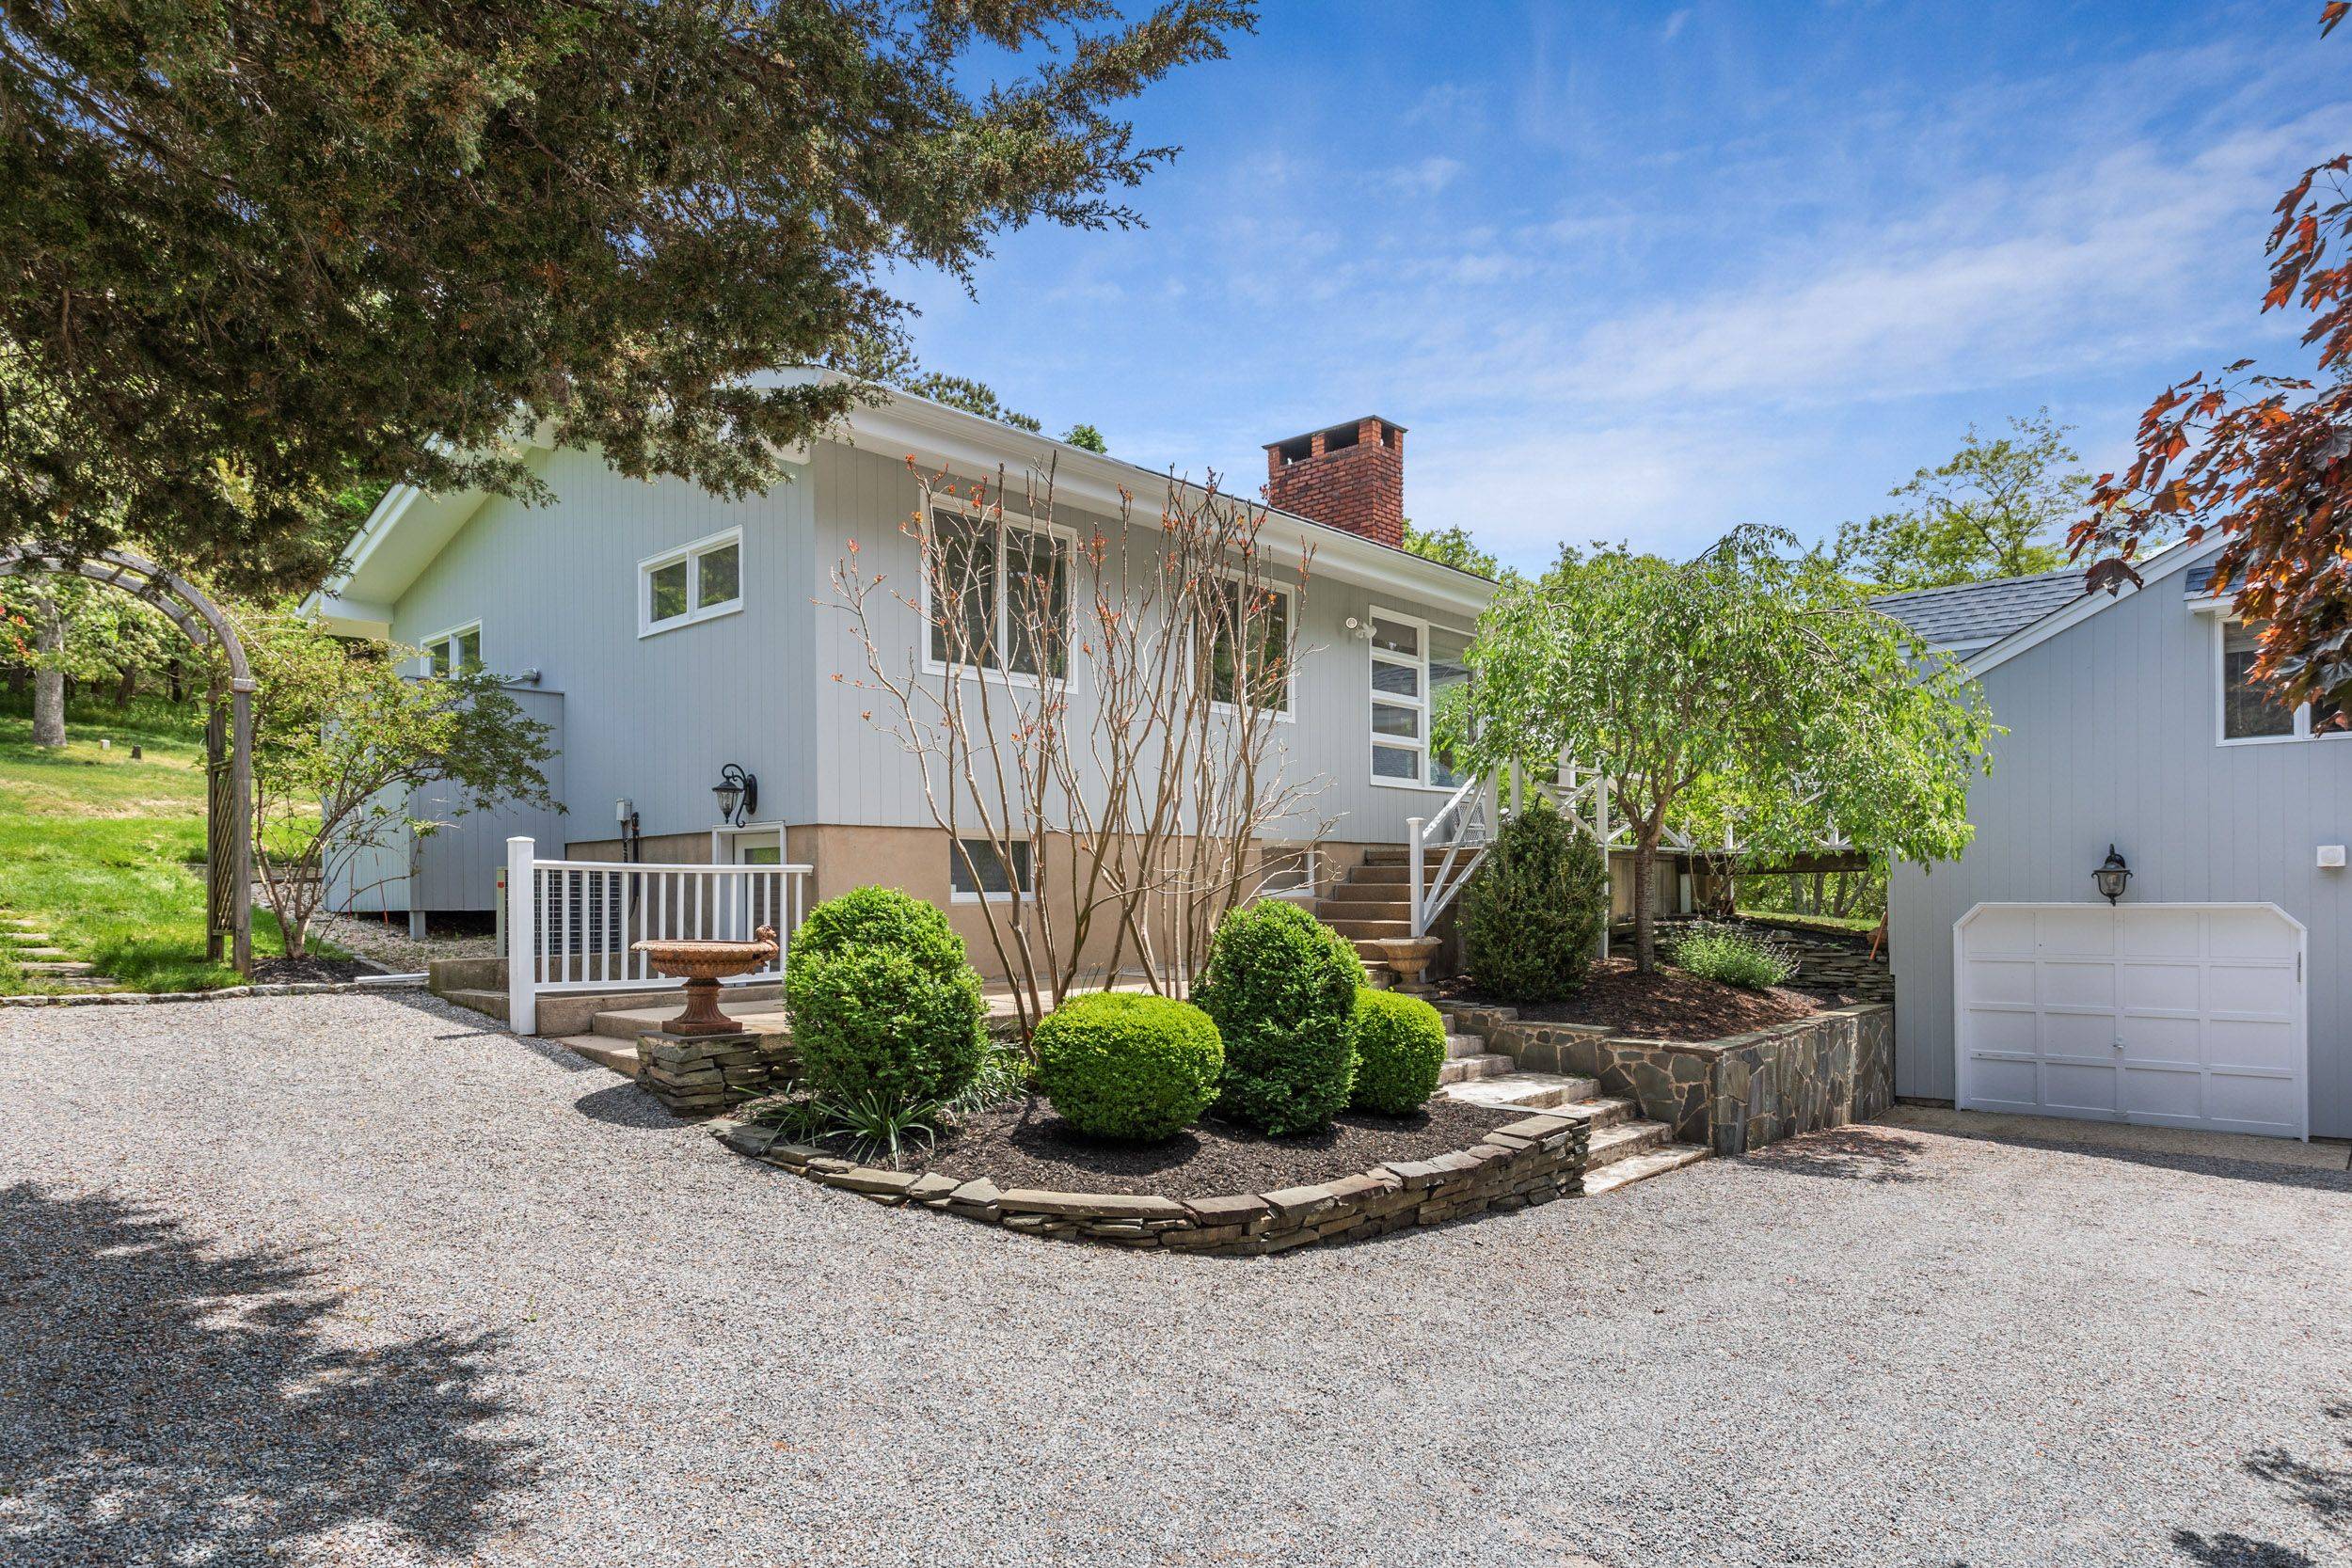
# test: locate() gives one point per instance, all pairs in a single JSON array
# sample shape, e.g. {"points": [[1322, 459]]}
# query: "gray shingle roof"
{"points": [[1974, 612]]}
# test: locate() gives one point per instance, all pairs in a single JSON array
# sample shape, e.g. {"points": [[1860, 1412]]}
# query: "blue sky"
{"points": [[1646, 272]]}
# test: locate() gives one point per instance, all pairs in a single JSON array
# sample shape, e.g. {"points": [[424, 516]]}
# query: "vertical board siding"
{"points": [[2111, 738]]}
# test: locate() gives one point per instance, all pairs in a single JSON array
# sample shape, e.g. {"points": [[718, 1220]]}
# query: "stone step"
{"points": [[65, 967], [1523, 1091], [1626, 1140], [760, 1017], [1465, 1069], [1466, 1045], [21, 954], [1607, 1110], [1640, 1167]]}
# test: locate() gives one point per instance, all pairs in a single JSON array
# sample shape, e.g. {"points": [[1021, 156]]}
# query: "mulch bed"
{"points": [[294, 971], [1023, 1144], [1669, 1005]]}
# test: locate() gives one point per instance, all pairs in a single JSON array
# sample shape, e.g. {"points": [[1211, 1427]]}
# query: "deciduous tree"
{"points": [[1998, 508], [2261, 460], [1748, 674], [252, 250]]}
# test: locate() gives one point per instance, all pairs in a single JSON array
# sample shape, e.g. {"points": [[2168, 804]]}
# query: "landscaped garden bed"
{"points": [[1670, 1005]]}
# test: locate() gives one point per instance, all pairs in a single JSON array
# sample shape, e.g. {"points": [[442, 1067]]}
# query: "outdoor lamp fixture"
{"points": [[738, 793], [2111, 875]]}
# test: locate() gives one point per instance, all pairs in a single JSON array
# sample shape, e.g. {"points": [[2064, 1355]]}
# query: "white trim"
{"points": [[696, 611], [1426, 703], [1308, 889], [426, 645], [723, 837], [1963, 1099], [2302, 716], [955, 859], [1288, 712], [1008, 520], [2165, 563]]}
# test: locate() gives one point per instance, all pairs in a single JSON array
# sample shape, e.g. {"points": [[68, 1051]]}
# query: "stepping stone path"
{"points": [[33, 950]]}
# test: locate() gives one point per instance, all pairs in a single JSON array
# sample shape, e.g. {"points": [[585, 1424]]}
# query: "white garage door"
{"points": [[2178, 1015]]}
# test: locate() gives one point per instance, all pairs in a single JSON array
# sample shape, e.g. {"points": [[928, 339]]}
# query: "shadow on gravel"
{"points": [[173, 1401], [627, 1106], [2324, 1488], [1858, 1153]]}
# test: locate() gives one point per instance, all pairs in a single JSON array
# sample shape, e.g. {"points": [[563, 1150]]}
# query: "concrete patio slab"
{"points": [[2319, 1155]]}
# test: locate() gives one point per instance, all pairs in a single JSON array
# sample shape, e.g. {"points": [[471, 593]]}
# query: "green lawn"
{"points": [[107, 853]]}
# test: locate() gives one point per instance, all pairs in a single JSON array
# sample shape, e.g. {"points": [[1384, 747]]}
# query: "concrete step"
{"points": [[21, 954], [1522, 1091], [620, 1056], [1640, 1167], [1372, 953], [626, 1024], [1398, 875], [1387, 854], [1626, 1140], [454, 975], [1368, 893], [1349, 927], [1466, 1045], [1465, 1069]]}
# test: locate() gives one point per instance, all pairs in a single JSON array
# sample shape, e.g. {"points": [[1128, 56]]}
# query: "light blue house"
{"points": [[2212, 991]]}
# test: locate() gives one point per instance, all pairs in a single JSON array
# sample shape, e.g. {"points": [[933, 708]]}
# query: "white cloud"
{"points": [[1424, 176], [1675, 25]]}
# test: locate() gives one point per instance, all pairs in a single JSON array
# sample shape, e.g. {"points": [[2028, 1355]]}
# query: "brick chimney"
{"points": [[1350, 476]]}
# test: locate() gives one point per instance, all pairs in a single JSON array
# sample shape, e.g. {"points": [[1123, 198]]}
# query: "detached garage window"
{"points": [[2249, 710]]}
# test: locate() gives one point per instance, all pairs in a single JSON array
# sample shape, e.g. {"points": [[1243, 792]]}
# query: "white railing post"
{"points": [[1413, 855], [522, 931]]}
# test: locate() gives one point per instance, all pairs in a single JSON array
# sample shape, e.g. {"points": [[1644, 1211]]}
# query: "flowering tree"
{"points": [[1743, 679], [343, 742], [2263, 460], [1097, 714]]}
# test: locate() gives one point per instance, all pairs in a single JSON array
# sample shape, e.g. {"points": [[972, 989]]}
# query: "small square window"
{"points": [[695, 583], [977, 870], [669, 593], [720, 576]]}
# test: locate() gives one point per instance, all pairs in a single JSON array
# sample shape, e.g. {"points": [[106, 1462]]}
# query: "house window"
{"points": [[692, 583], [974, 620], [1286, 871], [977, 870], [2250, 712], [459, 650], [1262, 667], [1418, 672]]}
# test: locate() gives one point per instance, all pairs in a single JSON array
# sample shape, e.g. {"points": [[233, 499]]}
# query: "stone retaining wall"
{"points": [[698, 1075], [1530, 1161], [1734, 1094]]}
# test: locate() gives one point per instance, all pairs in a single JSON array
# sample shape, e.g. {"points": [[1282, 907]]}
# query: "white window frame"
{"points": [[1065, 539], [1374, 655], [955, 859], [1288, 712], [696, 611], [428, 645], [2302, 732]]}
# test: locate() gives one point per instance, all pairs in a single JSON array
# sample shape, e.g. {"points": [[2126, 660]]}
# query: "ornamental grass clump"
{"points": [[1137, 1068], [1400, 1052], [1531, 920], [1734, 956], [885, 1007], [1280, 987]]}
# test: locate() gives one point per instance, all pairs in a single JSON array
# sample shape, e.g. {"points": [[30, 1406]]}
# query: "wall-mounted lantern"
{"points": [[738, 794], [2111, 875]]}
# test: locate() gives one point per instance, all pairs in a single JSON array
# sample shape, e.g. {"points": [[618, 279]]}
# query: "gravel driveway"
{"points": [[361, 1279]]}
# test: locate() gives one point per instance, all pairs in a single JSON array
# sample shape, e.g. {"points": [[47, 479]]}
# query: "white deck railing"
{"points": [[571, 926], [1444, 850]]}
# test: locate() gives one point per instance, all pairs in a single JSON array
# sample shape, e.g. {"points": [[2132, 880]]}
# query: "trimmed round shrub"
{"points": [[1400, 1052], [1282, 985], [1134, 1068], [1531, 920], [883, 1000]]}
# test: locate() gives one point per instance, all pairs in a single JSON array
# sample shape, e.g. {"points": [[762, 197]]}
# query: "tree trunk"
{"points": [[171, 670], [126, 684], [49, 684], [1644, 921]]}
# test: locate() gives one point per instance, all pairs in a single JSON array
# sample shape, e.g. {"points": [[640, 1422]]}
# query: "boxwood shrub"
{"points": [[1400, 1052], [1282, 987], [883, 1000], [1134, 1068], [1531, 920]]}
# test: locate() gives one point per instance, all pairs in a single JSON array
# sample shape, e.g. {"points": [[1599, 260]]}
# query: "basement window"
{"points": [[979, 869], [694, 583]]}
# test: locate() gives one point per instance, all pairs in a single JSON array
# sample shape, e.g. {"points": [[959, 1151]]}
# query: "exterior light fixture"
{"points": [[2111, 875], [738, 794]]}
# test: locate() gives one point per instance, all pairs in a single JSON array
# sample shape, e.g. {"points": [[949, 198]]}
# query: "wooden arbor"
{"points": [[228, 749]]}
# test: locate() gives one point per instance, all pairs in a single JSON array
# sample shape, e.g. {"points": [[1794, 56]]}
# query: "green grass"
{"points": [[1864, 924], [107, 853]]}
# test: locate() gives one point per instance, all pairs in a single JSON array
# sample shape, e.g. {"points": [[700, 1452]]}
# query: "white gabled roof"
{"points": [[409, 527]]}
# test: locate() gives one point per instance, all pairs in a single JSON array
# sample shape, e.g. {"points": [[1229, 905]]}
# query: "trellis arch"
{"points": [[228, 756]]}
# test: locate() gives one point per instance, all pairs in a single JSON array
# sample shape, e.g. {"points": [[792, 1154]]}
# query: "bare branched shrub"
{"points": [[1098, 709]]}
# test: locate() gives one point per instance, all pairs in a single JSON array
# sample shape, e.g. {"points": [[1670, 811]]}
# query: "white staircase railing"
{"points": [[1446, 849], [571, 926]]}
